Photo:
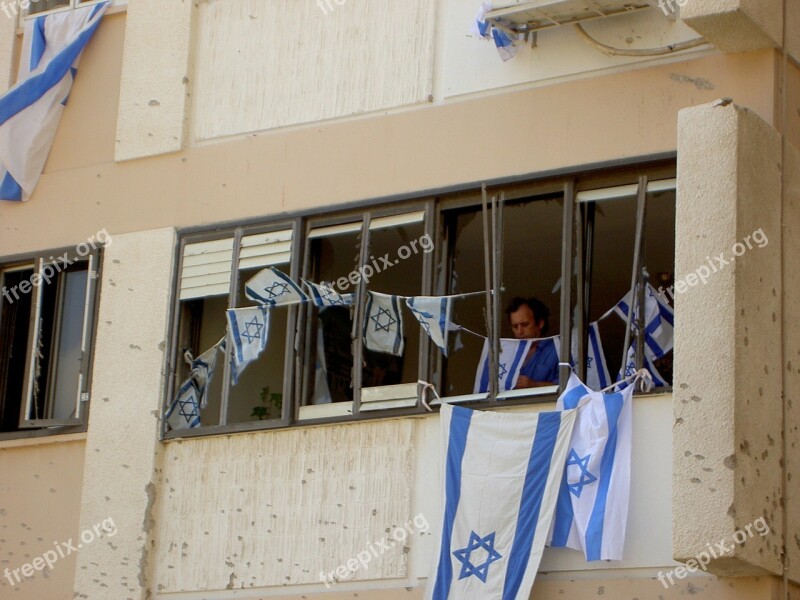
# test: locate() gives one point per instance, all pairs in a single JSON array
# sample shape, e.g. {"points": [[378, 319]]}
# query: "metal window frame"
{"points": [[577, 231], [36, 261]]}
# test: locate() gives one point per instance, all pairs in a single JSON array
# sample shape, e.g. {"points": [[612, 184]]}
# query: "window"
{"points": [[37, 7], [574, 245], [46, 327]]}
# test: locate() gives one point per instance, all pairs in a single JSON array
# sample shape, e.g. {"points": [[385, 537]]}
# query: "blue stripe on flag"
{"points": [[398, 338], [237, 339], [564, 515], [459, 427], [30, 90], [10, 189], [38, 43], [594, 530], [572, 397], [520, 355], [599, 367], [443, 322], [533, 489]]}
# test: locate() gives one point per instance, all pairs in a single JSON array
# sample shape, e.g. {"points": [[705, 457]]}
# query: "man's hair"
{"points": [[539, 309]]}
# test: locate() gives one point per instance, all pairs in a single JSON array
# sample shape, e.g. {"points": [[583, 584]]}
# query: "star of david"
{"points": [[421, 316], [476, 542], [276, 290], [250, 336], [630, 369], [332, 297], [501, 370], [383, 326], [188, 409], [583, 465], [589, 360]]}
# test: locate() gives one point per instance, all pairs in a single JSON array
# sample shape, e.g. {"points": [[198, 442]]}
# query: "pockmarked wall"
{"points": [[40, 505]]}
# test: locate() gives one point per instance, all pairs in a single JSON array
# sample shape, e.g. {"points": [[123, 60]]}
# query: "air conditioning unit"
{"points": [[536, 15]]}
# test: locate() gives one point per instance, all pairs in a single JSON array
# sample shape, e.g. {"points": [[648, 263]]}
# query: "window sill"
{"points": [[39, 440], [114, 9]]}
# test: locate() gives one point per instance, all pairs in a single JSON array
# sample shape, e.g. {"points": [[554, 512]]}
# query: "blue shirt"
{"points": [[543, 365]]}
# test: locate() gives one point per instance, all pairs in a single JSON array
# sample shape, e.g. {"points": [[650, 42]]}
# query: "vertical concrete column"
{"points": [[735, 25], [154, 90], [727, 435], [8, 43], [122, 441]]}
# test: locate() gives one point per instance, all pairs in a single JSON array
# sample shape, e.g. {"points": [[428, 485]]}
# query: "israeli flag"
{"points": [[273, 287], [512, 356], [184, 412], [433, 314], [31, 110], [248, 330], [203, 370], [597, 376], [592, 508], [501, 481], [482, 28], [630, 369], [383, 324], [659, 321], [323, 295]]}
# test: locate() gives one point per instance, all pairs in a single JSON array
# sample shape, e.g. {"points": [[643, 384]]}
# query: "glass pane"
{"points": [[38, 6], [258, 395], [531, 265], [67, 362], [329, 330], [15, 312], [612, 261], [396, 256]]}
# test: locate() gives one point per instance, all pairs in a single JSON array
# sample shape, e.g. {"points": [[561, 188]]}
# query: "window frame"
{"points": [[26, 15], [28, 428], [571, 183]]}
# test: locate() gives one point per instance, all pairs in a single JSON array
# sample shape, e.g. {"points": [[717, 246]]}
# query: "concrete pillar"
{"points": [[122, 440], [727, 435], [736, 25], [154, 91]]}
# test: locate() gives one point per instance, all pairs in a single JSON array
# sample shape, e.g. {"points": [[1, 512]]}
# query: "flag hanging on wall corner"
{"points": [[31, 110]]}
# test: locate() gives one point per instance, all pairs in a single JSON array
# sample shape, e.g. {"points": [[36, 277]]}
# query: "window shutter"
{"points": [[266, 249], [206, 269]]}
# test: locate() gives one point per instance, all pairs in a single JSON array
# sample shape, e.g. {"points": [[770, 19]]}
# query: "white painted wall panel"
{"points": [[262, 64], [276, 508]]}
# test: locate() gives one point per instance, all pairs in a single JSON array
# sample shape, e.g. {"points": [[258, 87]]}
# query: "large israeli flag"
{"points": [[383, 324], [501, 479], [512, 356], [273, 287], [248, 330], [592, 509], [433, 314], [659, 321], [31, 110]]}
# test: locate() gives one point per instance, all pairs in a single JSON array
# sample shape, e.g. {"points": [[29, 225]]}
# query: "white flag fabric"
{"points": [[512, 357], [273, 287], [659, 320], [323, 295], [592, 509], [597, 375], [203, 371], [482, 28], [383, 324], [501, 481], [433, 314], [31, 110], [248, 330], [184, 412]]}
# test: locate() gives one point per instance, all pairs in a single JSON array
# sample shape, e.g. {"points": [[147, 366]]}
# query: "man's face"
{"points": [[524, 325]]}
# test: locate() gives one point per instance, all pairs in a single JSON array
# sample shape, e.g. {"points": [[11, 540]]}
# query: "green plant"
{"points": [[270, 407]]}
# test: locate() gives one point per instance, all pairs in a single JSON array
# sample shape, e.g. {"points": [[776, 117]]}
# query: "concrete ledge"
{"points": [[736, 25]]}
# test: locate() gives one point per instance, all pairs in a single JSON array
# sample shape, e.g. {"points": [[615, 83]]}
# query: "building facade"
{"points": [[203, 141]]}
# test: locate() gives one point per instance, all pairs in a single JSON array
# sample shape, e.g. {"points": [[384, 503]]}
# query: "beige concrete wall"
{"points": [[737, 25], [40, 502], [8, 49], [727, 452], [122, 440], [607, 118]]}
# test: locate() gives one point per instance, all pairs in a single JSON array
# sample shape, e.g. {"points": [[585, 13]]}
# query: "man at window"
{"points": [[528, 318]]}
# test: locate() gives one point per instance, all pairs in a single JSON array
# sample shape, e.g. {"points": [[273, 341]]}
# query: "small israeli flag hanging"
{"points": [[248, 330], [433, 314], [383, 324], [273, 287]]}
